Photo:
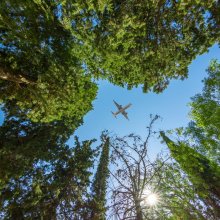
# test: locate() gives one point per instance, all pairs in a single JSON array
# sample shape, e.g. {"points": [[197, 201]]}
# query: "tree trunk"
{"points": [[139, 214], [50, 213], [16, 213], [214, 204], [19, 79]]}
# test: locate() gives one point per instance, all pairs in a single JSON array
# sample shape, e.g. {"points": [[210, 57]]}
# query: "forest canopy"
{"points": [[51, 51], [52, 56]]}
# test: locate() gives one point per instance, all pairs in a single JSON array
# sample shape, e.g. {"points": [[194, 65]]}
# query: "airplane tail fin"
{"points": [[113, 114]]}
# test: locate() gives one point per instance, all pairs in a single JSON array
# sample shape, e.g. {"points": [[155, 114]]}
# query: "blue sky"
{"points": [[171, 105]]}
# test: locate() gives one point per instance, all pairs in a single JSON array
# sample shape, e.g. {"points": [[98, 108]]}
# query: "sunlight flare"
{"points": [[152, 199], [149, 198]]}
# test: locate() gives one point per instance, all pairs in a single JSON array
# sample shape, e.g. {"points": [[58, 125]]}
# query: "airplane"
{"points": [[121, 110]]}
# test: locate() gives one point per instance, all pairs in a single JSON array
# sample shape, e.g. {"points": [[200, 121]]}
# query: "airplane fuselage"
{"points": [[122, 109]]}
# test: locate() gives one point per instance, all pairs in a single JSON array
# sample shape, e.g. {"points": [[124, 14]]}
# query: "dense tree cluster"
{"points": [[150, 42], [51, 50], [56, 183], [51, 53], [43, 178], [40, 68], [23, 142]]}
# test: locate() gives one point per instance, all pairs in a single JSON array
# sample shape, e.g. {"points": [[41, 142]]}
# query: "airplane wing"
{"points": [[118, 106], [125, 114]]}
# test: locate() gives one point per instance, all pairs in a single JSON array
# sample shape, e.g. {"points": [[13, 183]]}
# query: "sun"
{"points": [[149, 198], [152, 199]]}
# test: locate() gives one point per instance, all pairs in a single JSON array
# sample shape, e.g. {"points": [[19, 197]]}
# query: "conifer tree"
{"points": [[197, 150], [99, 186], [202, 172]]}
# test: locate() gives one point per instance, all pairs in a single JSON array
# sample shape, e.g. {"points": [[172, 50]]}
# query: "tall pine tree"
{"points": [[202, 172], [99, 186]]}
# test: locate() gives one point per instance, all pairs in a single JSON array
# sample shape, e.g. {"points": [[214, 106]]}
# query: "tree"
{"points": [[53, 188], [39, 65], [179, 197], [133, 176], [202, 172], [23, 142], [150, 42], [204, 128], [99, 185], [41, 176]]}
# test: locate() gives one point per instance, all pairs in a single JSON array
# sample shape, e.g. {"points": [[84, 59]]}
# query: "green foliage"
{"points": [[99, 185], [23, 142], [54, 185], [70, 97], [202, 172], [197, 150], [40, 68], [50, 50], [43, 178], [179, 199], [58, 99], [150, 42], [205, 113]]}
